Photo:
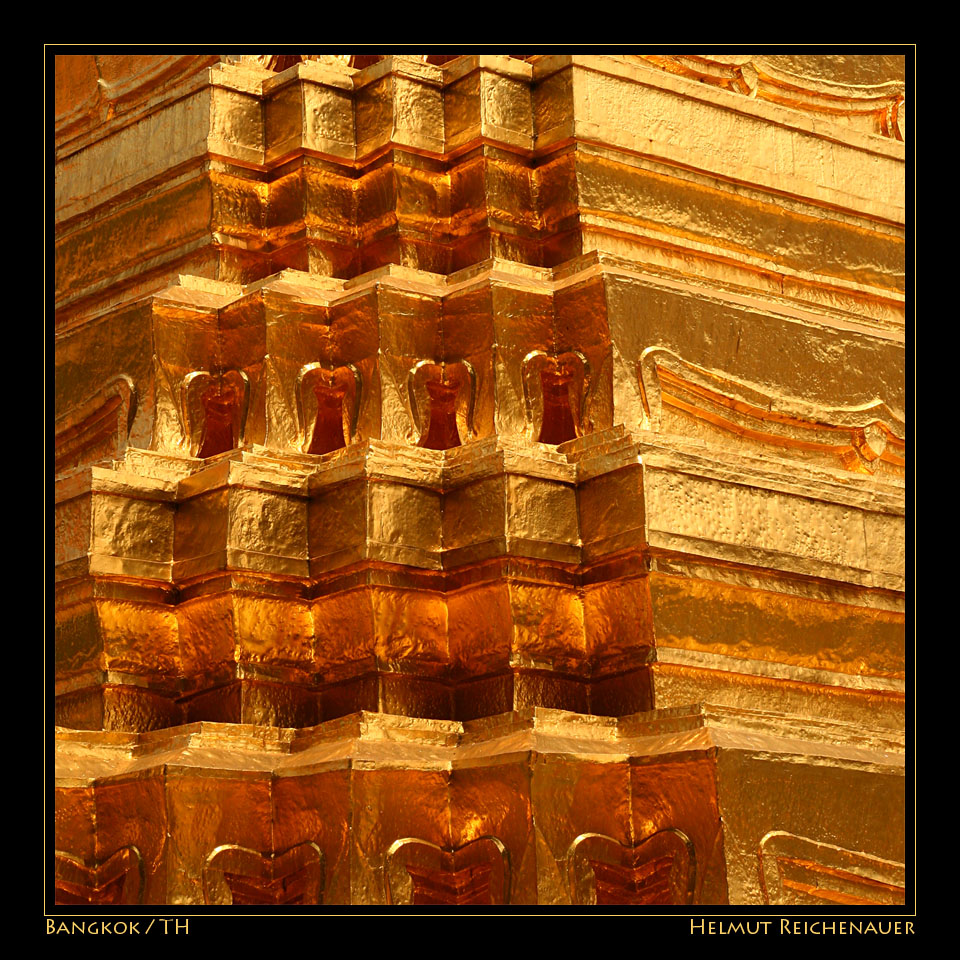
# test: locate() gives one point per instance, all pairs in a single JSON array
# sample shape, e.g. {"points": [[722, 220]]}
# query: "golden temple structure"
{"points": [[480, 480]]}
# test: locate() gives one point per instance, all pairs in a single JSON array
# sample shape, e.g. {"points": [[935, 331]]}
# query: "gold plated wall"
{"points": [[480, 479]]}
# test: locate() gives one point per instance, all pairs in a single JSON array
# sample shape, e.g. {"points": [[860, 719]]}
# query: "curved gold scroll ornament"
{"points": [[854, 438]]}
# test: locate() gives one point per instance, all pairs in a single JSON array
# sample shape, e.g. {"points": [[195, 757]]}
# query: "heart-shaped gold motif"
{"points": [[214, 410], [116, 880], [235, 874], [658, 870], [421, 873], [555, 392], [441, 399], [328, 404]]}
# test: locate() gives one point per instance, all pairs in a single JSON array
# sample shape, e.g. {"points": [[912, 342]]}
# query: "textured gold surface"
{"points": [[535, 781], [480, 479]]}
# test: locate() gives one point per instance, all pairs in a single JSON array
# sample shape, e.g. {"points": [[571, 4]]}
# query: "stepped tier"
{"points": [[282, 584], [540, 806], [235, 172], [570, 351]]}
